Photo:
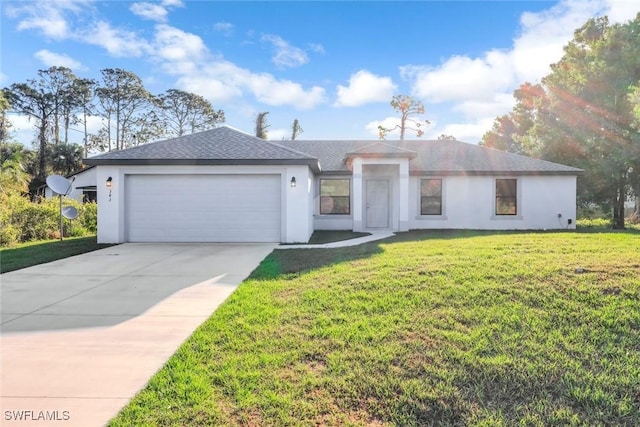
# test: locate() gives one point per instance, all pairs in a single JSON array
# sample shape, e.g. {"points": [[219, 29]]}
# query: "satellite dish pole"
{"points": [[61, 186]]}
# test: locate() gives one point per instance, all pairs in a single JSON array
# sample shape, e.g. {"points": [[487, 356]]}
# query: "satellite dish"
{"points": [[70, 212], [59, 184]]}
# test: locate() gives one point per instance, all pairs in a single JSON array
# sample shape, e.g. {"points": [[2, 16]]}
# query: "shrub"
{"points": [[594, 223], [23, 220], [89, 216]]}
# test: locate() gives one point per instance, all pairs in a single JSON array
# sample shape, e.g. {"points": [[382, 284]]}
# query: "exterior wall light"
{"points": [[293, 181]]}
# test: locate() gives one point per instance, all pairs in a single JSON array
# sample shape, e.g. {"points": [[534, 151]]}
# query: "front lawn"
{"points": [[440, 328], [33, 253]]}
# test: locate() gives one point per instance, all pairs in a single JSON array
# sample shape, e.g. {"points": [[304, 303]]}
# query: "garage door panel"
{"points": [[203, 208]]}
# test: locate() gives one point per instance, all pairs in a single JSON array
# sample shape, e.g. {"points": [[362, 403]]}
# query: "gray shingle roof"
{"points": [[382, 148], [435, 157], [223, 145], [228, 146]]}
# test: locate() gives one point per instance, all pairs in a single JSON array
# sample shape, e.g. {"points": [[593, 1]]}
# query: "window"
{"points": [[506, 197], [430, 197], [89, 196], [335, 197]]}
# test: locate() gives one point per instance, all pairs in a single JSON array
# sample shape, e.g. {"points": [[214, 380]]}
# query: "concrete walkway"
{"points": [[80, 336], [375, 235]]}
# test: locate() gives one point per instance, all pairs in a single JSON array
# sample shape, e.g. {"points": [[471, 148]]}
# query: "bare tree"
{"points": [[185, 112], [262, 125], [85, 91], [408, 107], [125, 104], [296, 129], [35, 101]]}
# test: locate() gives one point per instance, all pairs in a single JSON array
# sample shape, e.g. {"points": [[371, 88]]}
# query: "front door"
{"points": [[377, 203]]}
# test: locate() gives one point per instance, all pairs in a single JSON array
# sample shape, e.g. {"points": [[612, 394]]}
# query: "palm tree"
{"points": [[66, 159]]}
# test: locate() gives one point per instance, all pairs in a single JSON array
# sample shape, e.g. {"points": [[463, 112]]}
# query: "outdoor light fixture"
{"points": [[109, 184], [293, 181]]}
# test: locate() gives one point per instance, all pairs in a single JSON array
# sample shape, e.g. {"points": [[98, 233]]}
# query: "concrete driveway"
{"points": [[80, 336]]}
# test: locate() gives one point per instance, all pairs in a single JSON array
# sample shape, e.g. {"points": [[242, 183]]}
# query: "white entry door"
{"points": [[377, 203]]}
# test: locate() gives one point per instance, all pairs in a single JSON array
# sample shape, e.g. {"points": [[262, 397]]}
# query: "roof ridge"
{"points": [[397, 147], [290, 149]]}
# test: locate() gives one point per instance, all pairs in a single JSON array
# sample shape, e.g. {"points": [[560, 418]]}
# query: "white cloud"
{"points": [[118, 42], [316, 47], [155, 11], [278, 134], [490, 107], [22, 129], [285, 55], [172, 3], [211, 87], [220, 80], [365, 87], [151, 11], [226, 28], [463, 78], [52, 59], [622, 10], [468, 132], [3, 78], [387, 122], [49, 18], [186, 56], [271, 91], [175, 45], [480, 87]]}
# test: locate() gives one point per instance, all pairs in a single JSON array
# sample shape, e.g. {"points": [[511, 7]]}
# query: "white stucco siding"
{"points": [[545, 198], [298, 218], [469, 203], [85, 178], [295, 217]]}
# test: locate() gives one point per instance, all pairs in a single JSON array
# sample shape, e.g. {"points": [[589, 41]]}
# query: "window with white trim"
{"points": [[431, 196], [506, 197], [335, 197]]}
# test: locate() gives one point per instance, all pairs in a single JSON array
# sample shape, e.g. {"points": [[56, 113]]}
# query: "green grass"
{"points": [[602, 224], [34, 253], [440, 328]]}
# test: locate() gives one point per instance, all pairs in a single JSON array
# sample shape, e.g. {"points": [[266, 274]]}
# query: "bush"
{"points": [[594, 223], [89, 217], [24, 221]]}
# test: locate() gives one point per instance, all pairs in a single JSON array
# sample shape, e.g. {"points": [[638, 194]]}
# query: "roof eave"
{"points": [[470, 173], [312, 163], [494, 173]]}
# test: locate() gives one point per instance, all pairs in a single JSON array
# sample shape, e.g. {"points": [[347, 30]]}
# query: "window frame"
{"points": [[348, 197], [511, 200], [439, 197]]}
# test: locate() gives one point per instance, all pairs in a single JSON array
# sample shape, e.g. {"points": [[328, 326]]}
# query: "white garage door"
{"points": [[203, 208]]}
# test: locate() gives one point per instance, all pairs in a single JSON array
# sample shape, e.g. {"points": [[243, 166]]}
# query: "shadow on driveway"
{"points": [[113, 285]]}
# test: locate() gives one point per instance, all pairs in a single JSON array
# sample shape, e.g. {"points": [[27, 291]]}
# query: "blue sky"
{"points": [[332, 65]]}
